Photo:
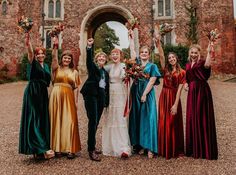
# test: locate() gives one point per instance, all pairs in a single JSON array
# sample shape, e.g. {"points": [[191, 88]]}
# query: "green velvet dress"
{"points": [[35, 127]]}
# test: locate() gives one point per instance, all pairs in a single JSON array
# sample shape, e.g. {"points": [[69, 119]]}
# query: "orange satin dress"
{"points": [[63, 113], [170, 127]]}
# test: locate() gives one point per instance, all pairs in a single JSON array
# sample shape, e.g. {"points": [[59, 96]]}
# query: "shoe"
{"points": [[124, 155], [150, 155], [93, 156], [97, 151], [49, 154], [141, 152], [70, 156], [58, 154], [39, 156]]}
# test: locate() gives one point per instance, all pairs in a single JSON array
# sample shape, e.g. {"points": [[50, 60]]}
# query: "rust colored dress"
{"points": [[170, 127], [63, 113]]}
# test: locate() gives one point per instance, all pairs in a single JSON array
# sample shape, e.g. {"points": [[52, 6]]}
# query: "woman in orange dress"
{"points": [[62, 105], [170, 123]]}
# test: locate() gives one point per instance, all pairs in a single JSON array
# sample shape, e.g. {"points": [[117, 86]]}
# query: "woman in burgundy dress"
{"points": [[200, 121], [170, 123]]}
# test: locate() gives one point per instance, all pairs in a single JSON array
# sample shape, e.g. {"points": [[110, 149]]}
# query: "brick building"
{"points": [[81, 19]]}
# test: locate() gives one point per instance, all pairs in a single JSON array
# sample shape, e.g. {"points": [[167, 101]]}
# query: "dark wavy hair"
{"points": [[68, 53]]}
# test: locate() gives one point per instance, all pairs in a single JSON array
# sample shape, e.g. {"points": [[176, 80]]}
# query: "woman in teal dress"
{"points": [[35, 127], [143, 113]]}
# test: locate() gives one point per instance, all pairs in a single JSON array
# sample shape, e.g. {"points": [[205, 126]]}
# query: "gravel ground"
{"points": [[224, 96]]}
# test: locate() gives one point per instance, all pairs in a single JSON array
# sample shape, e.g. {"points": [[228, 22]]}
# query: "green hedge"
{"points": [[25, 66]]}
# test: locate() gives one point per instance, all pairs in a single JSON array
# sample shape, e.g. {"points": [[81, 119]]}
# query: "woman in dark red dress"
{"points": [[200, 121], [170, 123]]}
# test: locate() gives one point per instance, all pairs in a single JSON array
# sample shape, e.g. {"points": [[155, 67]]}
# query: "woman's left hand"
{"points": [[173, 110], [143, 98]]}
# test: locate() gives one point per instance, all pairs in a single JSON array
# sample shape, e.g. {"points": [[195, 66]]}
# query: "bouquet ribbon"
{"points": [[128, 100]]}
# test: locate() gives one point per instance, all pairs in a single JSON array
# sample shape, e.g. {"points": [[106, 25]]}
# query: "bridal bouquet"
{"points": [[165, 28], [56, 30], [25, 24], [134, 71]]}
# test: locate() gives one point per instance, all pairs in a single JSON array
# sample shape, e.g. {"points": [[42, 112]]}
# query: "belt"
{"points": [[62, 84]]}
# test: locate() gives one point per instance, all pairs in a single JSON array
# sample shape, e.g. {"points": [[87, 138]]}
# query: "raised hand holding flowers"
{"points": [[132, 24], [56, 30], [213, 37], [165, 28]]}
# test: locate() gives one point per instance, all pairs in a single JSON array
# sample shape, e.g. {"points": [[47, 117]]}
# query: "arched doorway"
{"points": [[93, 20]]}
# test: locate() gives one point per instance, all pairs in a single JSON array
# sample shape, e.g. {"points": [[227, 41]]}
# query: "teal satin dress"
{"points": [[143, 116], [35, 127]]}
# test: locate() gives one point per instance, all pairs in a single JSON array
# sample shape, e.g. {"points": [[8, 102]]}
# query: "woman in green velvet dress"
{"points": [[35, 127]]}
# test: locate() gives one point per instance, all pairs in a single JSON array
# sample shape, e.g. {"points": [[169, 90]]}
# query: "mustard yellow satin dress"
{"points": [[63, 113]]}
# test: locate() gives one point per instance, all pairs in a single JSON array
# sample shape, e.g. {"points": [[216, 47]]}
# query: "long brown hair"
{"points": [[169, 67], [68, 53]]}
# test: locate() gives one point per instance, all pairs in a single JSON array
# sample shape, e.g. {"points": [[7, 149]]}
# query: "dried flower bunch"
{"points": [[56, 30], [132, 23], [25, 24], [165, 28]]}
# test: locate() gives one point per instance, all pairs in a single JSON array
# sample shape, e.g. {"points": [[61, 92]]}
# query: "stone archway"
{"points": [[94, 18]]}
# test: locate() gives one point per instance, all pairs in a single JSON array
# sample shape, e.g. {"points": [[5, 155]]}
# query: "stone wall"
{"points": [[211, 14]]}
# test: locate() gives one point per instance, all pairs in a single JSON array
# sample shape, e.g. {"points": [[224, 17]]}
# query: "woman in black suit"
{"points": [[95, 92]]}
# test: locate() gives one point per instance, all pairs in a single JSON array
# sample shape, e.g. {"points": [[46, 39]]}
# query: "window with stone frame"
{"points": [[4, 7], [54, 9], [169, 38], [47, 39], [163, 9]]}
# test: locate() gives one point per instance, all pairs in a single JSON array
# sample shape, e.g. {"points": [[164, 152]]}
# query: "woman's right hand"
{"points": [[90, 42]]}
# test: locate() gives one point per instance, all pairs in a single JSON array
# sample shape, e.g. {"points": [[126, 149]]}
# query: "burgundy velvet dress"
{"points": [[200, 121], [170, 127]]}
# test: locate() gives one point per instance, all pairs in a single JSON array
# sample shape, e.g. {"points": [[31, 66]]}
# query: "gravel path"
{"points": [[224, 96]]}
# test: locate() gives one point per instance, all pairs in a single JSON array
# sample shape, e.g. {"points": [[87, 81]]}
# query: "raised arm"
{"points": [[157, 41], [55, 64], [132, 49], [89, 60], [29, 48], [208, 58]]}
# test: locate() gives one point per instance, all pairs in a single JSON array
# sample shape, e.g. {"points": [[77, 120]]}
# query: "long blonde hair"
{"points": [[194, 46]]}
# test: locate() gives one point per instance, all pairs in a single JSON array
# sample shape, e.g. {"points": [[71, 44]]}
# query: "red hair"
{"points": [[118, 51], [37, 49]]}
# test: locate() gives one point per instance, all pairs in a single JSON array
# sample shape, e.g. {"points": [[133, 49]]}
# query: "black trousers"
{"points": [[94, 106]]}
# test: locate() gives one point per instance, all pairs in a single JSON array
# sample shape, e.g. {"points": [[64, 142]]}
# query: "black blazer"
{"points": [[91, 85]]}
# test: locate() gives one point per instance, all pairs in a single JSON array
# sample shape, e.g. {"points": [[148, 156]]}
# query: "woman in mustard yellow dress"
{"points": [[63, 105]]}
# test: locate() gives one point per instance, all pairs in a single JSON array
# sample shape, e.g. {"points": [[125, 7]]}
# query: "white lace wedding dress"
{"points": [[115, 137]]}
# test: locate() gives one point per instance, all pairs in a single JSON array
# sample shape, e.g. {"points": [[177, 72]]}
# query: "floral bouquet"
{"points": [[165, 28], [134, 71], [132, 24], [213, 36], [56, 30], [25, 24]]}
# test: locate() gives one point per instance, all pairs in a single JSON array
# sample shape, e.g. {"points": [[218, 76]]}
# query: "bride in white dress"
{"points": [[115, 137]]}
